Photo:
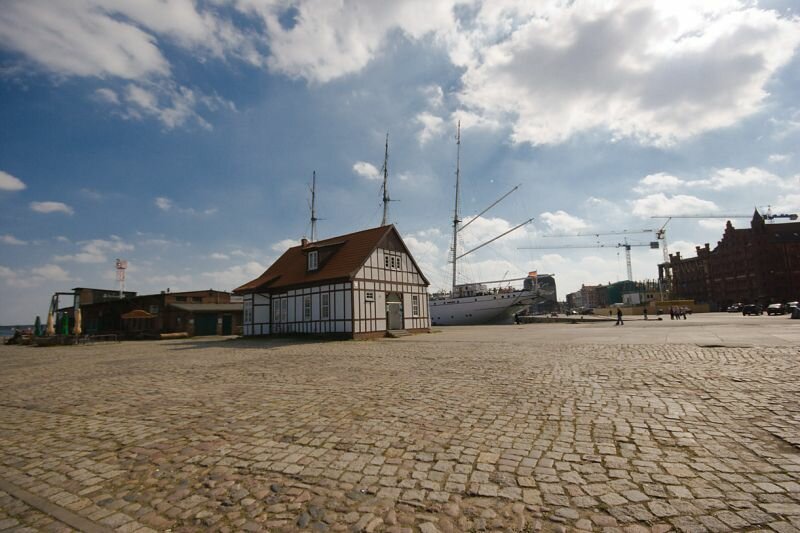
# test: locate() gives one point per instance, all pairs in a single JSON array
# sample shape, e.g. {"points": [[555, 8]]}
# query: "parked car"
{"points": [[776, 309], [588, 311], [735, 308], [788, 306], [752, 309]]}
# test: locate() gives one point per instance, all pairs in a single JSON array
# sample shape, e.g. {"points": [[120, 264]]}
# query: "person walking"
{"points": [[645, 314], [619, 317]]}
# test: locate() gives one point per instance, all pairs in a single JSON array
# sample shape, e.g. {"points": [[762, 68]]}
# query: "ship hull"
{"points": [[473, 310]]}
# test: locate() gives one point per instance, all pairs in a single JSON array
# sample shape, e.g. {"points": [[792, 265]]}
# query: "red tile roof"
{"points": [[340, 258]]}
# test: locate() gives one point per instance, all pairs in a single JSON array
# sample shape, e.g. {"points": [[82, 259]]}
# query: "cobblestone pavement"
{"points": [[415, 434]]}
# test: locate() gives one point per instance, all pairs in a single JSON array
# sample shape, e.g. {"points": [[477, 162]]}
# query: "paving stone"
{"points": [[282, 434]]}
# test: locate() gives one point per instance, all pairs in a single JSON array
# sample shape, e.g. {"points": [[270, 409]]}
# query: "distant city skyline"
{"points": [[182, 135]]}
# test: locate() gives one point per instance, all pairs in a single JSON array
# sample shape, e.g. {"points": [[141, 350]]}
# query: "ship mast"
{"points": [[456, 220], [313, 206], [386, 199]]}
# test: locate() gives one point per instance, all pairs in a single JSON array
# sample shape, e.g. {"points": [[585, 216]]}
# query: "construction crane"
{"points": [[600, 233], [661, 233], [626, 245]]}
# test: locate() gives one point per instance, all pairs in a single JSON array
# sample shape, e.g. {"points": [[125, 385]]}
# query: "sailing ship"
{"points": [[477, 303]]}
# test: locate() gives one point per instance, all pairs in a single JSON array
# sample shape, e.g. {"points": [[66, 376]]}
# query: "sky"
{"points": [[181, 135]]}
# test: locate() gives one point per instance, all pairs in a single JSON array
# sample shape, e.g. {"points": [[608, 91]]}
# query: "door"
{"points": [[205, 324], [227, 324], [394, 311]]}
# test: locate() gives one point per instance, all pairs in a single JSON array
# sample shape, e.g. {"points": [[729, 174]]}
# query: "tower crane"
{"points": [[599, 233], [626, 245]]}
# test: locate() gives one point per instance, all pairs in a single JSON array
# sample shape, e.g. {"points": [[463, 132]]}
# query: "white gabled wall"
{"points": [[376, 279]]}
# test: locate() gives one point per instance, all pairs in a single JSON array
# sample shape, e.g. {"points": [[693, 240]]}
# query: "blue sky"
{"points": [[181, 135]]}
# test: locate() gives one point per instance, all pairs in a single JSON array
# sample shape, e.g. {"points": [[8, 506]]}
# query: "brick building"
{"points": [[759, 264], [206, 312]]}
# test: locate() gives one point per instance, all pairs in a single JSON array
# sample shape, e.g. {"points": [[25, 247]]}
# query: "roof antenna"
{"points": [[386, 198], [313, 206]]}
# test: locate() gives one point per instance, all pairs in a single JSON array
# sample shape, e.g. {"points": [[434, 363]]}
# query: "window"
{"points": [[197, 299], [180, 298], [325, 306], [313, 260], [415, 305], [285, 310], [153, 309], [307, 307], [369, 296], [276, 315]]}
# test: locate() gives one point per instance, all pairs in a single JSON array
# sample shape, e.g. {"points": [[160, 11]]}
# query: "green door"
{"points": [[227, 324], [205, 324]]}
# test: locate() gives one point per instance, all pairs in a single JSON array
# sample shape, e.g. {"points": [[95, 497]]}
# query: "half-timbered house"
{"points": [[356, 285]]}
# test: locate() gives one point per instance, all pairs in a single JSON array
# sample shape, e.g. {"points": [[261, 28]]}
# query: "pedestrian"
{"points": [[683, 312], [619, 317], [671, 312], [516, 318], [645, 314]]}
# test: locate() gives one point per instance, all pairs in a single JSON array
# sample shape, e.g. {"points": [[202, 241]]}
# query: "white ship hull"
{"points": [[484, 309]]}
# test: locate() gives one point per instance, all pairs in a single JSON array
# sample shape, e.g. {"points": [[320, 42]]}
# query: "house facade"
{"points": [[356, 285]]}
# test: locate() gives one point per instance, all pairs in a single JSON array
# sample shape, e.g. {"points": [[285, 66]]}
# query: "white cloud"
{"points": [[789, 203], [728, 178], [660, 204], [562, 222], [10, 183], [366, 170], [96, 250], [483, 229], [236, 275], [434, 96], [779, 158], [121, 39], [658, 72], [33, 277], [431, 126], [657, 183], [51, 273], [717, 224], [333, 39], [719, 180], [10, 239], [173, 105], [165, 204], [104, 94], [51, 207], [285, 244], [421, 248]]}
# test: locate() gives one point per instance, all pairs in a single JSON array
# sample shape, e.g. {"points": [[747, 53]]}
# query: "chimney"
{"points": [[303, 242]]}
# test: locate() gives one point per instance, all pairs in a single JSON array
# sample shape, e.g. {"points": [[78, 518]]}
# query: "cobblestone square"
{"points": [[655, 426]]}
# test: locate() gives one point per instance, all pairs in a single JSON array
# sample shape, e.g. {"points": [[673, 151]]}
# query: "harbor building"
{"points": [[205, 312], [759, 264], [358, 285]]}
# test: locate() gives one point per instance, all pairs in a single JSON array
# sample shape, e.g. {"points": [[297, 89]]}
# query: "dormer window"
{"points": [[313, 260]]}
